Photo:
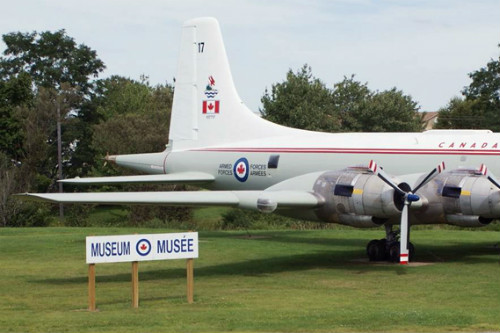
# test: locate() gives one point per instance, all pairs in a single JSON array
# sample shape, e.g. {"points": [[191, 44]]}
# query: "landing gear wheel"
{"points": [[376, 250], [411, 250], [394, 252]]}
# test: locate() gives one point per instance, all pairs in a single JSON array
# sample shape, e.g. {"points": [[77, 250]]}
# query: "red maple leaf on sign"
{"points": [[241, 168], [210, 106], [144, 247]]}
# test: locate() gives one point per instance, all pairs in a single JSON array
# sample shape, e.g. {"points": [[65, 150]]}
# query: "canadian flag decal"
{"points": [[210, 107]]}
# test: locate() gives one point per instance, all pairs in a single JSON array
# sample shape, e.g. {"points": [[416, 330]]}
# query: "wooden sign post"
{"points": [[135, 284], [92, 287], [190, 280]]}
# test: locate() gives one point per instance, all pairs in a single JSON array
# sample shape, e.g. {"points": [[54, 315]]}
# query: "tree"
{"points": [[480, 108], [134, 119], [387, 111], [301, 101], [461, 113], [349, 96], [54, 62], [485, 83], [14, 93], [13, 212], [40, 127], [59, 72], [51, 59]]}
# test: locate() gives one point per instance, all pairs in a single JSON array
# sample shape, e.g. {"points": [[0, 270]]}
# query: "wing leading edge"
{"points": [[265, 201]]}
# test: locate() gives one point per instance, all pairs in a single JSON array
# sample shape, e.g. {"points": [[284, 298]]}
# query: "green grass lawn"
{"points": [[275, 281]]}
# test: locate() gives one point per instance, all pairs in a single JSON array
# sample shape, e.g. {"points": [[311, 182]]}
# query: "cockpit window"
{"points": [[273, 161]]}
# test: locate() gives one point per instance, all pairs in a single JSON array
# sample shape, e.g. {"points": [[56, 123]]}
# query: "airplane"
{"points": [[217, 143]]}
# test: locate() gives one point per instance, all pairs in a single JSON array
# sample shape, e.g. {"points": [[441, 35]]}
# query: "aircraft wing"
{"points": [[266, 201], [181, 177]]}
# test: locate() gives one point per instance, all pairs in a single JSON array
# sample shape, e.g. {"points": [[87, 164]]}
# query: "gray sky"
{"points": [[425, 48]]}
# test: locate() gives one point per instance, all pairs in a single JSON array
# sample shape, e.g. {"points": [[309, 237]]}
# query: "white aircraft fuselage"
{"points": [[306, 152]]}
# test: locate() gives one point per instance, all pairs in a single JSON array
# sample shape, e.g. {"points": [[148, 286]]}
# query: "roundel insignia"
{"points": [[143, 247], [240, 169]]}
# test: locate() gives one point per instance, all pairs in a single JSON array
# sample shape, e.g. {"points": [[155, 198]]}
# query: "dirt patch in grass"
{"points": [[387, 263]]}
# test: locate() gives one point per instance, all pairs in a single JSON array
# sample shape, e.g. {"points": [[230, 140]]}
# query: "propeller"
{"points": [[484, 171], [408, 197]]}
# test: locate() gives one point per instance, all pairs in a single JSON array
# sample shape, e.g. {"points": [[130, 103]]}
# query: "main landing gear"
{"points": [[387, 249]]}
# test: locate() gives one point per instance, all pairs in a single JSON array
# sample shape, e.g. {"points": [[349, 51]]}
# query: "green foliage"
{"points": [[77, 215], [349, 98], [481, 104], [388, 111], [461, 114], [15, 178], [57, 73], [51, 59], [38, 154], [485, 85], [121, 96], [30, 214], [135, 117], [41, 73], [303, 101], [239, 219], [14, 93], [142, 215]]}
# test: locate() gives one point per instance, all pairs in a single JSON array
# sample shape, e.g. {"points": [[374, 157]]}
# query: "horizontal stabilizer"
{"points": [[259, 200], [182, 177]]}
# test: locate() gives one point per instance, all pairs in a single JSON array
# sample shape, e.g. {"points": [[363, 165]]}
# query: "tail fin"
{"points": [[207, 110]]}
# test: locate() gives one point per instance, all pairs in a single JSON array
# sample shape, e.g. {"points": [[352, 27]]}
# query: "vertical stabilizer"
{"points": [[207, 110]]}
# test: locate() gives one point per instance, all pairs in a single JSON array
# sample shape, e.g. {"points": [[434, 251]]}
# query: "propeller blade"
{"points": [[403, 240], [484, 170], [385, 177], [436, 171], [409, 197]]}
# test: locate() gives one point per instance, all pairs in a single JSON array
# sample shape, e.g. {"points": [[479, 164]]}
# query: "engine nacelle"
{"points": [[355, 197], [361, 221], [461, 197], [467, 220]]}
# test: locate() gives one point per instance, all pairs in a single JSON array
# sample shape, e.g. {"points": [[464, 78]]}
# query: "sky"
{"points": [[425, 48]]}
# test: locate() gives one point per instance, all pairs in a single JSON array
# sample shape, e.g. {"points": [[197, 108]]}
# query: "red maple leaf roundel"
{"points": [[241, 168]]}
